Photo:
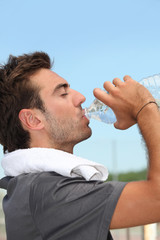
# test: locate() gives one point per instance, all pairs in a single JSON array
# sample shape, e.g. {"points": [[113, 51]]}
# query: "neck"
{"points": [[43, 142]]}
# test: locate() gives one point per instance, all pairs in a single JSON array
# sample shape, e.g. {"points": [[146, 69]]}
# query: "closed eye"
{"points": [[64, 94], [62, 87]]}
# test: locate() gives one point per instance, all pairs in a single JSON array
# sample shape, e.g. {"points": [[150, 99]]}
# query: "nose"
{"points": [[78, 98]]}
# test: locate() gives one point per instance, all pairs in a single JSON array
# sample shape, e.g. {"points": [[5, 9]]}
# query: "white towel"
{"points": [[34, 160]]}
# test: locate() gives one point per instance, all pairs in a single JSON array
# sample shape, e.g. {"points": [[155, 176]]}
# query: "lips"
{"points": [[83, 112], [84, 116]]}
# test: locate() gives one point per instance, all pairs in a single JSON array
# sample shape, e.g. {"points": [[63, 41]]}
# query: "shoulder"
{"points": [[56, 187]]}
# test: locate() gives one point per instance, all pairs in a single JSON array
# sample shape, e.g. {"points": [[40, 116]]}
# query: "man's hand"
{"points": [[139, 202], [125, 98]]}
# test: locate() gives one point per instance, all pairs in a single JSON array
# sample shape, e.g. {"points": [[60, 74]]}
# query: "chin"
{"points": [[86, 135]]}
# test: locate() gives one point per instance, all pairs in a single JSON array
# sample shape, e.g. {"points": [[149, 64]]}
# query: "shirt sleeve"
{"points": [[73, 208]]}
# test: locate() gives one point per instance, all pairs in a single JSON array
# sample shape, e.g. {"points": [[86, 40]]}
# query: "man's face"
{"points": [[65, 122]]}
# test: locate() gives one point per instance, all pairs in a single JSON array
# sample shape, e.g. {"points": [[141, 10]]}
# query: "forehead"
{"points": [[46, 79]]}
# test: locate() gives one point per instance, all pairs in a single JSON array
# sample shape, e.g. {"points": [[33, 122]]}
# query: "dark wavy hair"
{"points": [[16, 93]]}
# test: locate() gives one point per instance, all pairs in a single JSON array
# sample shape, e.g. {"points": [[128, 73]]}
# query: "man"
{"points": [[41, 122]]}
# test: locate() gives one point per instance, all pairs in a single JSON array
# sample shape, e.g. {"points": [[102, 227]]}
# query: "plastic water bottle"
{"points": [[99, 111]]}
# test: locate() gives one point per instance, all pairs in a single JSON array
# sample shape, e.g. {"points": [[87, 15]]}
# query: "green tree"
{"points": [[130, 176]]}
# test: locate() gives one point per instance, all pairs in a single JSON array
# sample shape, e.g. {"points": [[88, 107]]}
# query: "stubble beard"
{"points": [[65, 132]]}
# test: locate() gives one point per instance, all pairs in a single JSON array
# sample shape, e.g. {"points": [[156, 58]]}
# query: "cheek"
{"points": [[58, 110], [61, 108], [64, 113]]}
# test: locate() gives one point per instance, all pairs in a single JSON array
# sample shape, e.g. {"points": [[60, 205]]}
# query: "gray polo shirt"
{"points": [[49, 206]]}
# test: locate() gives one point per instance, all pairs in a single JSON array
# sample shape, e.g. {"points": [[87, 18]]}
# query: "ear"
{"points": [[30, 119]]}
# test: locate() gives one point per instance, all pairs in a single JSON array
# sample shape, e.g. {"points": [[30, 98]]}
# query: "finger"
{"points": [[117, 82], [108, 86], [126, 78], [101, 95]]}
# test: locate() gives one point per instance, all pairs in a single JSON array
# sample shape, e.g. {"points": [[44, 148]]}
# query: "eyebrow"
{"points": [[59, 86]]}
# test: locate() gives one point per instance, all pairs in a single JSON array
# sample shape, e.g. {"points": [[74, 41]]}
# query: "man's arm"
{"points": [[139, 202]]}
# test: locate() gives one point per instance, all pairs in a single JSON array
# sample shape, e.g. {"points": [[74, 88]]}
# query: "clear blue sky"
{"points": [[91, 41]]}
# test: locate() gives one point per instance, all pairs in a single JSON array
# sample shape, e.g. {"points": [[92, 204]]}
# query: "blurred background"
{"points": [[90, 42]]}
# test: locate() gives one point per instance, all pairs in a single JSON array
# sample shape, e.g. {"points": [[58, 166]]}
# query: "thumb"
{"points": [[124, 124], [116, 125]]}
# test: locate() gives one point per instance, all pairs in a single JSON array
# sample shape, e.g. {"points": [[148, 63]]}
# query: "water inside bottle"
{"points": [[153, 85], [99, 111]]}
